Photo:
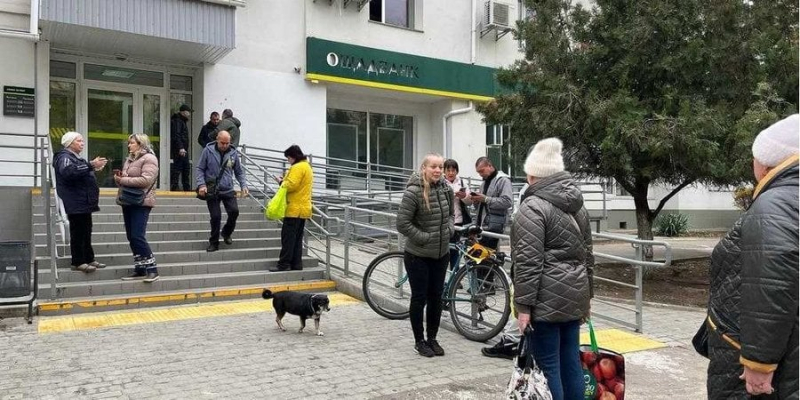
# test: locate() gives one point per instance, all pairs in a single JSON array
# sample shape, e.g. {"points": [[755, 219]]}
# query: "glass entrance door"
{"points": [[110, 121], [112, 114]]}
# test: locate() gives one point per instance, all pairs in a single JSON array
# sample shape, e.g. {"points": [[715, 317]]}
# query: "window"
{"points": [[498, 147], [129, 76], [359, 142], [392, 12], [62, 111], [525, 14]]}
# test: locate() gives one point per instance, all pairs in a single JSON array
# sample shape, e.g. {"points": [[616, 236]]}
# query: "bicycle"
{"points": [[476, 293]]}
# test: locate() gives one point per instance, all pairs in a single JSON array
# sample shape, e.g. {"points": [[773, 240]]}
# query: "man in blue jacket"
{"points": [[77, 187], [215, 171]]}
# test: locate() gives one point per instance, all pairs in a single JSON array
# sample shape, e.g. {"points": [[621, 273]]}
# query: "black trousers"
{"points": [[292, 243], [80, 238], [426, 277], [231, 207], [180, 169]]}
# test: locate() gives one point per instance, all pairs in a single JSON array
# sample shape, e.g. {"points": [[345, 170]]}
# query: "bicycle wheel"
{"points": [[480, 302], [386, 288]]}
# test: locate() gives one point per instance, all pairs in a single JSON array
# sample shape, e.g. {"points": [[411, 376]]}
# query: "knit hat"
{"points": [[545, 159], [778, 142], [68, 138]]}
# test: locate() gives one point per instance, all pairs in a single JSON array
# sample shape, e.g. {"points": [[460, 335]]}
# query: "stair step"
{"points": [[174, 283], [114, 273], [101, 249], [184, 235], [162, 216], [186, 256], [175, 297], [167, 226]]}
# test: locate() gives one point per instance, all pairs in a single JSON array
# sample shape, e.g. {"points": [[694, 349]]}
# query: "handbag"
{"points": [[603, 370], [700, 339], [276, 208], [527, 380], [212, 189], [131, 196]]}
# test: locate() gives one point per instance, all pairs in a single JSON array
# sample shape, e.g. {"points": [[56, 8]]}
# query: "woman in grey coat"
{"points": [[551, 245], [425, 218]]}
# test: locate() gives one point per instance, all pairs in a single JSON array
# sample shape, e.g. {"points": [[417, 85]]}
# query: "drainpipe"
{"points": [[447, 146], [473, 32], [472, 51]]}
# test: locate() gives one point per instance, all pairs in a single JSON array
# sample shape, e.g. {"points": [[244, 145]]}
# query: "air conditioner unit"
{"points": [[496, 17]]}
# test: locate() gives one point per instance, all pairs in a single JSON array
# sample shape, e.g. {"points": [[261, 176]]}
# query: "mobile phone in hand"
{"points": [[463, 189]]}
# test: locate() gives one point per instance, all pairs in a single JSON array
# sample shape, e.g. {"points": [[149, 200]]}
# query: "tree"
{"points": [[648, 92]]}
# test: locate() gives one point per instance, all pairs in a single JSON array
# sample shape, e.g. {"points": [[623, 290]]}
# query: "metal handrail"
{"points": [[61, 220]]}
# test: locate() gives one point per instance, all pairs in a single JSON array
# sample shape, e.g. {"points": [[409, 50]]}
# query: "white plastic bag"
{"points": [[527, 380]]}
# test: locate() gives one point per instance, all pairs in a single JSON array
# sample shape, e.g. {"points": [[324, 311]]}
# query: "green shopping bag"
{"points": [[276, 208]]}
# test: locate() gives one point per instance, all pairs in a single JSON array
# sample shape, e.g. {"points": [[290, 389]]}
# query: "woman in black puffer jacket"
{"points": [[753, 299], [425, 218]]}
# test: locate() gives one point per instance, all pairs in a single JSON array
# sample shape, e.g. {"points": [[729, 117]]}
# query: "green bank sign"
{"points": [[345, 63]]}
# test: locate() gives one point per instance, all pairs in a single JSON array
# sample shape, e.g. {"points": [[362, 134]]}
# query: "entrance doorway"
{"points": [[112, 114]]}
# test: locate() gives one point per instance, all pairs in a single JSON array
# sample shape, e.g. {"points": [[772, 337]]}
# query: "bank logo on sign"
{"points": [[357, 64]]}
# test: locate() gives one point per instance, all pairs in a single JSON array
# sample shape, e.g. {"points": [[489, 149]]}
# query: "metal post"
{"points": [[48, 219], [347, 241], [328, 252], [369, 178], [639, 287]]}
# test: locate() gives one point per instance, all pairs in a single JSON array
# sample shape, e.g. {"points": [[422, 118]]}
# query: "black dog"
{"points": [[304, 305]]}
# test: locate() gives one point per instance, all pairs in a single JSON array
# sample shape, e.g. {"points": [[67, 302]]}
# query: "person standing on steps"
{"points": [[425, 219], [298, 183], [204, 138], [140, 171], [179, 148], [215, 171], [77, 187], [230, 124]]}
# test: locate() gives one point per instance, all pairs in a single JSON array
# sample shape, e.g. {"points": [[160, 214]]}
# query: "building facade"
{"points": [[382, 81]]}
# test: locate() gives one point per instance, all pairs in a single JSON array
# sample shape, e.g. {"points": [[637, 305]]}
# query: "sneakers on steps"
{"points": [[84, 268], [135, 276], [151, 277]]}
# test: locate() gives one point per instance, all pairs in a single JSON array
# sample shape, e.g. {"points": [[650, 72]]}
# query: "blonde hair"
{"points": [[144, 145], [426, 185]]}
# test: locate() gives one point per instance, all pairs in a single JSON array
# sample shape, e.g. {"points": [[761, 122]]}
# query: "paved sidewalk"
{"points": [[244, 356]]}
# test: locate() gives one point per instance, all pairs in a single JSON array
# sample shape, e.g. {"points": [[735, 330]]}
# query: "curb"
{"points": [[153, 299]]}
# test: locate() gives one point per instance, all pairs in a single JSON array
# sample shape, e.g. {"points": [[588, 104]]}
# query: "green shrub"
{"points": [[671, 224]]}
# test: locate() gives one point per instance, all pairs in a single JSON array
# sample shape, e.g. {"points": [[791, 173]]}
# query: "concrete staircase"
{"points": [[178, 234]]}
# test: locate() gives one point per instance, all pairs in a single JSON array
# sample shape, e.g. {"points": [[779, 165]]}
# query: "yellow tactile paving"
{"points": [[65, 324], [99, 304], [621, 341]]}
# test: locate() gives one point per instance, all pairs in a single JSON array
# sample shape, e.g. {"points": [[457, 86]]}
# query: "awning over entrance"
{"points": [[180, 31]]}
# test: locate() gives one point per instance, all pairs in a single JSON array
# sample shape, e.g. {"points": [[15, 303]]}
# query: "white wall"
{"points": [[19, 71], [276, 109], [15, 15]]}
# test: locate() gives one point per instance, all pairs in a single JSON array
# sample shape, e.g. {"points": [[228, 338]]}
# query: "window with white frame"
{"points": [[393, 12], [498, 147], [525, 14]]}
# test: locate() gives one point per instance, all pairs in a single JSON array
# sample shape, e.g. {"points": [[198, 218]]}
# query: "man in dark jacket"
{"points": [[753, 297], [77, 187], [179, 149], [216, 168], [229, 124], [205, 132]]}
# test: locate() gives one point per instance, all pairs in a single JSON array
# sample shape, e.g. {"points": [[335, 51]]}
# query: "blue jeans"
{"points": [[555, 349], [135, 218]]}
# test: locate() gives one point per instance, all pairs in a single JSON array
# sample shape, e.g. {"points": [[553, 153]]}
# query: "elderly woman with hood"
{"points": [[753, 297], [551, 246], [425, 218]]}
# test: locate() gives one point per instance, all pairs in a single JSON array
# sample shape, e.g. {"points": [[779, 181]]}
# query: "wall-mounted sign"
{"points": [[19, 101], [365, 66]]}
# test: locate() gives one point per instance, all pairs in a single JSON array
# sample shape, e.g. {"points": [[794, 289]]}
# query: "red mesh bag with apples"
{"points": [[603, 371]]}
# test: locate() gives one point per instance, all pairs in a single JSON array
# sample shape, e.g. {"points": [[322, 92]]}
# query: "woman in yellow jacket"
{"points": [[298, 182]]}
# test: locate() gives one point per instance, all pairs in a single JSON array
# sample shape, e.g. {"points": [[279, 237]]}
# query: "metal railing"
{"points": [[17, 167], [54, 214]]}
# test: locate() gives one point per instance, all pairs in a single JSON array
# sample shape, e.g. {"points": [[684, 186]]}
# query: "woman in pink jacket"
{"points": [[140, 171]]}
